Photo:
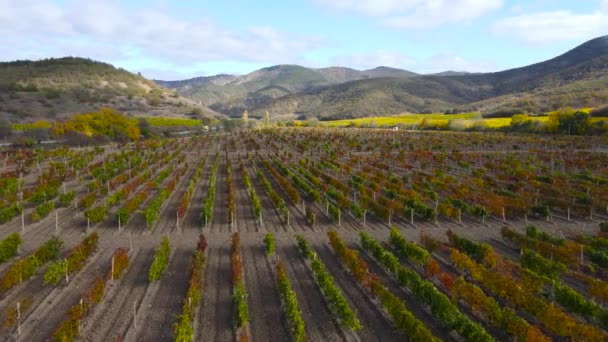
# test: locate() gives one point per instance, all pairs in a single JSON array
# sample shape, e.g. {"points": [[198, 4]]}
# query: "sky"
{"points": [[173, 40]]}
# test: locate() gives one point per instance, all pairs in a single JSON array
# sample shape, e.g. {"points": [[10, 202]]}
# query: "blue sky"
{"points": [[182, 39]]}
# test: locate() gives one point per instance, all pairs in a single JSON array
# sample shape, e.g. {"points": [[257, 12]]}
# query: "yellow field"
{"points": [[466, 120], [405, 119]]}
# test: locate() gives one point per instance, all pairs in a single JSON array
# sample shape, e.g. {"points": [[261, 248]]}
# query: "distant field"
{"points": [[156, 121], [153, 120], [404, 119], [467, 120]]}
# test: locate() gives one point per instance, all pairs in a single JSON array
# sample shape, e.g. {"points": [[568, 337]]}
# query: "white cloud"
{"points": [[416, 13], [39, 28], [555, 26], [450, 61]]}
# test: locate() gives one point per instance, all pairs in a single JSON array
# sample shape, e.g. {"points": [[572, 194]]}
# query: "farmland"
{"points": [[315, 234]]}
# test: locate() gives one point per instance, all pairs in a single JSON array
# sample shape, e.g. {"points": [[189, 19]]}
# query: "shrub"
{"points": [[269, 243], [9, 247], [161, 258]]}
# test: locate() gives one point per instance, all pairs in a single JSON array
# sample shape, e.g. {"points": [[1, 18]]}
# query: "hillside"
{"points": [[231, 95], [55, 88], [574, 78]]}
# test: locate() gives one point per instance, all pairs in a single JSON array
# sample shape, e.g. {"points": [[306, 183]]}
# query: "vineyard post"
{"points": [[130, 242], [22, 221], [364, 217], [568, 213], [412, 216], [339, 217], [526, 218], [303, 205], [63, 185], [591, 213], [112, 271], [261, 221], [119, 224], [56, 221], [18, 318], [459, 216], [504, 217], [287, 212], [177, 220], [81, 314], [327, 208], [67, 276], [88, 224], [582, 254], [390, 216]]}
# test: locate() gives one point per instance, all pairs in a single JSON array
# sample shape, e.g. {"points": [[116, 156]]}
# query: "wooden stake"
{"points": [[56, 221], [504, 217], [112, 272], [18, 318], [67, 276], [22, 221]]}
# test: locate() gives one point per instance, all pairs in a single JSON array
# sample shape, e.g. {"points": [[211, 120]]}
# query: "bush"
{"points": [[269, 243], [9, 247], [43, 211], [7, 213], [66, 199], [161, 258]]}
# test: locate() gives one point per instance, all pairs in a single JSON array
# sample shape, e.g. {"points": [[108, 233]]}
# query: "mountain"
{"points": [[232, 95], [55, 88], [451, 73], [576, 78]]}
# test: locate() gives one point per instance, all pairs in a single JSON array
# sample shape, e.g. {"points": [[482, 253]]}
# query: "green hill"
{"points": [[55, 88], [576, 78]]}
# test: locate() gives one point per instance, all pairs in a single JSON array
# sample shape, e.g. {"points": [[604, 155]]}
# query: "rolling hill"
{"points": [[56, 88], [231, 95], [575, 78]]}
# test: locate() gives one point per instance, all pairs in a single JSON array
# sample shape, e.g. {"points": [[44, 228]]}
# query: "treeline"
{"points": [[101, 126]]}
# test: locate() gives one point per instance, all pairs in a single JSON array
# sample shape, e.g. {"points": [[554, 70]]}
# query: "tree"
{"points": [[5, 129], [568, 121], [144, 127]]}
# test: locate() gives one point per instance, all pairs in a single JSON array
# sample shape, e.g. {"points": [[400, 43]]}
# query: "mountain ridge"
{"points": [[352, 94]]}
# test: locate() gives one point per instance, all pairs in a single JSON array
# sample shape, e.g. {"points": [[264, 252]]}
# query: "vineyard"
{"points": [[307, 234]]}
